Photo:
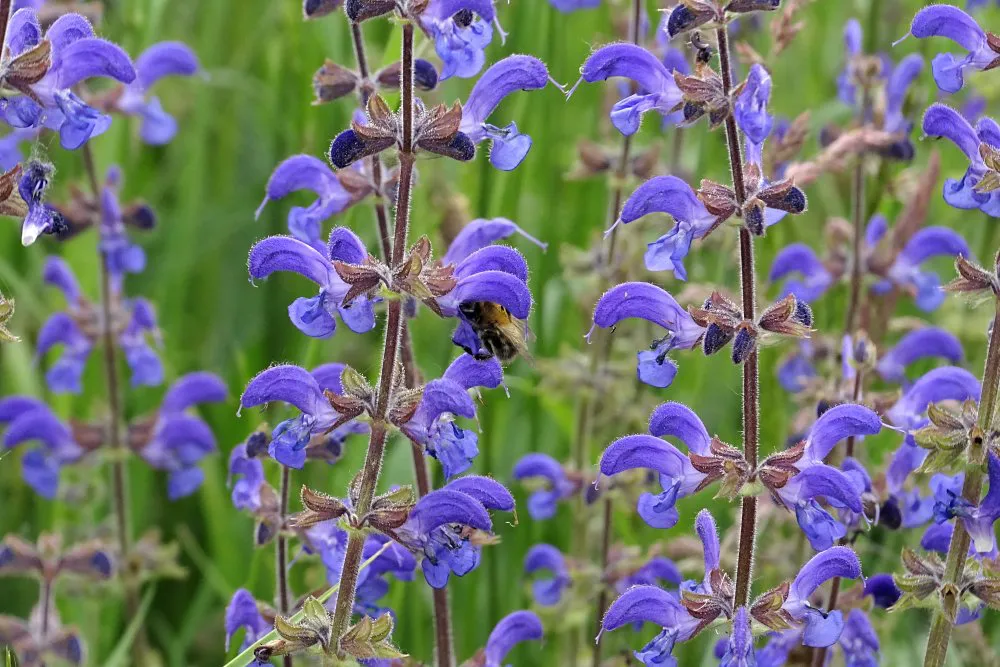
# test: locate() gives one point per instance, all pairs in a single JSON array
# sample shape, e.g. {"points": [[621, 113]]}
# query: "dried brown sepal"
{"points": [[440, 123], [748, 54], [785, 28], [363, 278], [29, 68], [6, 312], [910, 220], [787, 147], [644, 164], [22, 557], [356, 183], [778, 468], [404, 405], [726, 463], [593, 159], [837, 155], [11, 203], [987, 590], [332, 82], [972, 278], [391, 510], [782, 318], [767, 610], [717, 310], [720, 200], [319, 507], [348, 407]]}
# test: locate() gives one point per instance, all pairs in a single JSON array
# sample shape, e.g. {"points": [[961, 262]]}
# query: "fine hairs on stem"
{"points": [[972, 490], [393, 329], [751, 381], [442, 614]]}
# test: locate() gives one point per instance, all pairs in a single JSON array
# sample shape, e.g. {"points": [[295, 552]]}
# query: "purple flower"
{"points": [[573, 5], [954, 24], [883, 590], [978, 520], [906, 274], [940, 384], [433, 425], [739, 648], [798, 258], [77, 55], [315, 316], [121, 254], [41, 218], [438, 526], [653, 304], [922, 343], [673, 196], [508, 146], [750, 112], [305, 172], [657, 90], [678, 477], [858, 641], [820, 628], [846, 90], [816, 480], [304, 390], [797, 371], [460, 38], [29, 419], [943, 121], [547, 591], [543, 501], [243, 612], [249, 473], [511, 630], [156, 62], [654, 572], [642, 604], [173, 440]]}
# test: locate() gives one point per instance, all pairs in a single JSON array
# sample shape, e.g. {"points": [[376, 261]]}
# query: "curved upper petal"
{"points": [[445, 506], [470, 372], [93, 57], [670, 195], [838, 423], [490, 493], [513, 73], [194, 388], [512, 629], [287, 383], [940, 384], [680, 421], [632, 62], [651, 303], [919, 344], [644, 604], [498, 287], [165, 59], [942, 121], [494, 258], [284, 253], [933, 242], [950, 22], [479, 234]]}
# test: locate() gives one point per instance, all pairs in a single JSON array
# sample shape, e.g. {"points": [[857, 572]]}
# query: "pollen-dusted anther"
{"points": [[362, 10], [690, 14], [726, 463], [319, 507], [973, 278], [333, 81]]}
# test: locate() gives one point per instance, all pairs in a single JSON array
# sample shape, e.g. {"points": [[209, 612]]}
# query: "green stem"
{"points": [[972, 489]]}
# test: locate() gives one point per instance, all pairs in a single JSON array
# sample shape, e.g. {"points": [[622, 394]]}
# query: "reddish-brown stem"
{"points": [[751, 380], [393, 328], [5, 6]]}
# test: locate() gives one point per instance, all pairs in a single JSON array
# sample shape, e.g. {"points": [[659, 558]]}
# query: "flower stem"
{"points": [[390, 352], [972, 489], [854, 304], [281, 551], [46, 595], [5, 6], [751, 380]]}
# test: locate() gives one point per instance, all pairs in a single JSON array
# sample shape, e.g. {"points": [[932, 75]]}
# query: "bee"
{"points": [[503, 335]]}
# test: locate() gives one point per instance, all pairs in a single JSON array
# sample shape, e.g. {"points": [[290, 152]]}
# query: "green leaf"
{"points": [[120, 655], [246, 656]]}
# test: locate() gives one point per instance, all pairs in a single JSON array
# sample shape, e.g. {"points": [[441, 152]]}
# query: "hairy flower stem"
{"points": [[390, 352], [46, 596], [5, 6], [599, 359], [854, 305], [281, 551], [751, 380], [972, 489], [119, 467], [375, 161]]}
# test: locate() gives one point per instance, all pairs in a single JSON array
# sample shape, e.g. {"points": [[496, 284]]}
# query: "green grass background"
{"points": [[251, 110]]}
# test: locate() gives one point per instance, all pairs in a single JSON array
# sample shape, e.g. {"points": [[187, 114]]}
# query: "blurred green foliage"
{"points": [[252, 109]]}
